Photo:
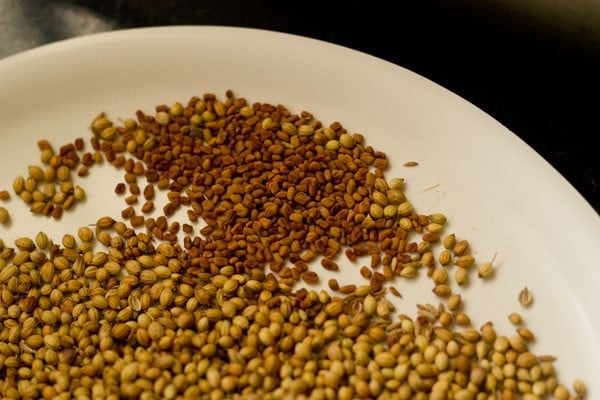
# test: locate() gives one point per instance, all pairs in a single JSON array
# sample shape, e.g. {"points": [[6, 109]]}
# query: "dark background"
{"points": [[537, 76]]}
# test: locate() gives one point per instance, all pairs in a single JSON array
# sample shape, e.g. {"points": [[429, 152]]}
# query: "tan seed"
{"points": [[525, 297]]}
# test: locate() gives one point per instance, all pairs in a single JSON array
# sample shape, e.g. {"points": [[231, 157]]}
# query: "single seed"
{"points": [[4, 215], [461, 276], [486, 270], [579, 387], [465, 261], [525, 297], [445, 257], [449, 241], [515, 318], [461, 247], [454, 302]]}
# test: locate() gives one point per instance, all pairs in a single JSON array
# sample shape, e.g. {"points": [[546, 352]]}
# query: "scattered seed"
{"points": [[4, 215], [515, 318], [525, 297]]}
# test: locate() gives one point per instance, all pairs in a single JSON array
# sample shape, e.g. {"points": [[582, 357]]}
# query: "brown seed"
{"points": [[347, 289], [310, 277], [366, 272], [329, 265]]}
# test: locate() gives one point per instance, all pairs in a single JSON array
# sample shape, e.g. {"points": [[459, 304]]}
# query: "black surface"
{"points": [[540, 85]]}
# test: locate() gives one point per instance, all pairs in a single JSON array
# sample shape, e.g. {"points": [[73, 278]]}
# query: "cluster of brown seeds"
{"points": [[134, 309]]}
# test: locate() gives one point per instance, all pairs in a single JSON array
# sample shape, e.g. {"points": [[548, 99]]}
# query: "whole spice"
{"points": [[4, 215], [130, 311], [525, 297]]}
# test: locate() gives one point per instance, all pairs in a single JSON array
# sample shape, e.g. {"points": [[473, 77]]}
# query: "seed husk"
{"points": [[525, 297]]}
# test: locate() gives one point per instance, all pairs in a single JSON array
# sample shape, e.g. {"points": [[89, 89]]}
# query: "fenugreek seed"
{"points": [[347, 289], [329, 265], [525, 297]]}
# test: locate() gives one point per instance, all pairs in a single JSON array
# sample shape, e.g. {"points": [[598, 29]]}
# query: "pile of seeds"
{"points": [[139, 306]]}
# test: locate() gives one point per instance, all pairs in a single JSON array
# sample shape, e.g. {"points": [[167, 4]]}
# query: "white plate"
{"points": [[496, 191]]}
